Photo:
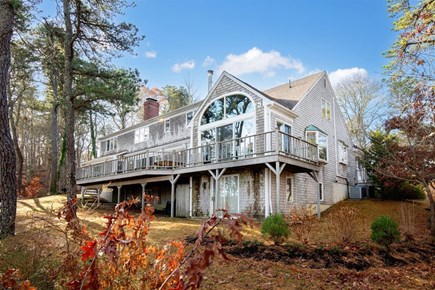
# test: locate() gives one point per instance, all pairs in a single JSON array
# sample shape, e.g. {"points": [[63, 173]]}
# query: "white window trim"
{"points": [[343, 150], [115, 144], [317, 143], [227, 121], [277, 120], [142, 136], [224, 120]]}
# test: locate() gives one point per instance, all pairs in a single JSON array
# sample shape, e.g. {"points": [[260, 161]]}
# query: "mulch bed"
{"points": [[354, 257]]}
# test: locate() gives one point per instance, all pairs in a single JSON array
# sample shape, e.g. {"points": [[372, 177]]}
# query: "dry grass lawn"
{"points": [[38, 231]]}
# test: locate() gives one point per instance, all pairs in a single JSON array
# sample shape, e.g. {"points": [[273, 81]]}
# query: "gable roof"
{"points": [[289, 96]]}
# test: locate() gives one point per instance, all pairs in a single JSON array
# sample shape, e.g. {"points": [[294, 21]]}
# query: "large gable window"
{"points": [[227, 107], [315, 136], [226, 127]]}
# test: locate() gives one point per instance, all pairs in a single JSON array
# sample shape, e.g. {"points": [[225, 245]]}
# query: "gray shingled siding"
{"points": [[309, 111], [157, 137], [251, 192]]}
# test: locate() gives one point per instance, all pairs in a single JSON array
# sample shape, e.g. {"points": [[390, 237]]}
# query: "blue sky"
{"points": [[262, 42]]}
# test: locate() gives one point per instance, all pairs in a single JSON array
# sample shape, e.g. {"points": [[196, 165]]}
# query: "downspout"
{"points": [[268, 193], [335, 140]]}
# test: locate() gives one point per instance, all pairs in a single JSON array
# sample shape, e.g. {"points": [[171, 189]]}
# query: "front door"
{"points": [[182, 200]]}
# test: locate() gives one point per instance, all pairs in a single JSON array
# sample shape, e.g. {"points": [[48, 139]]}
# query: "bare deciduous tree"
{"points": [[362, 105]]}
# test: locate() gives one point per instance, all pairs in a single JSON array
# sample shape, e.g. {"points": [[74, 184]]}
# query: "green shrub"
{"points": [[385, 231], [275, 228]]}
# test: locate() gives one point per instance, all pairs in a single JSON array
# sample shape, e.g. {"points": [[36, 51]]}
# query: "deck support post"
{"points": [[119, 192], [190, 196], [277, 171], [216, 176], [314, 175], [266, 193], [98, 195], [173, 180], [143, 195], [82, 192]]}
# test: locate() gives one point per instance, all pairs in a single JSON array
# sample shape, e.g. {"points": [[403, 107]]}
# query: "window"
{"points": [[141, 134], [289, 189], [326, 109], [189, 116], [233, 140], [167, 126], [111, 144], [342, 152], [322, 143], [227, 107], [319, 138], [228, 197], [284, 138], [227, 126], [321, 191]]}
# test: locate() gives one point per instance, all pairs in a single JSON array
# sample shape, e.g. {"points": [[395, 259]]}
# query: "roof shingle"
{"points": [[289, 95]]}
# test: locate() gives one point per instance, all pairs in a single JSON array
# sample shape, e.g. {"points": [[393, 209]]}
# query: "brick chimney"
{"points": [[150, 108]]}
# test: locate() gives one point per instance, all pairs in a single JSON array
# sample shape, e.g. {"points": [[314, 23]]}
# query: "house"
{"points": [[243, 149]]}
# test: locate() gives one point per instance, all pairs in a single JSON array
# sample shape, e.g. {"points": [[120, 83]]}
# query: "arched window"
{"points": [[227, 107], [228, 122]]}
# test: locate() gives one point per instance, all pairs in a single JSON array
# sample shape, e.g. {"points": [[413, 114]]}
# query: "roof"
{"points": [[313, 128], [290, 93]]}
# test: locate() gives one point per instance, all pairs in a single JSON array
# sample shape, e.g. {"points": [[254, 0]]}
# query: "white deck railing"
{"points": [[269, 143]]}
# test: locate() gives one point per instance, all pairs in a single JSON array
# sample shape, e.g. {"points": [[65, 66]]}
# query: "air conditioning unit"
{"points": [[359, 192]]}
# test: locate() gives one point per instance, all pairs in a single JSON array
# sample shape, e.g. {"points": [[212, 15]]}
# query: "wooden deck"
{"points": [[255, 150]]}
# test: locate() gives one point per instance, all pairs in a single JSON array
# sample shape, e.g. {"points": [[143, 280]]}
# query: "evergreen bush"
{"points": [[385, 231], [275, 228]]}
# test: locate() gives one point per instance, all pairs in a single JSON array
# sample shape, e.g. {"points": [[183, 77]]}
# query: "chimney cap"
{"points": [[151, 99], [210, 72]]}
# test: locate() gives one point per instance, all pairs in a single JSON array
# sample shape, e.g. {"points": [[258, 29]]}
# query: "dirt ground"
{"points": [[257, 264]]}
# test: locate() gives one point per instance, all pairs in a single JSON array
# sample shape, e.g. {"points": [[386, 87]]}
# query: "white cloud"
{"points": [[340, 74], [178, 67], [151, 54], [208, 61], [257, 61]]}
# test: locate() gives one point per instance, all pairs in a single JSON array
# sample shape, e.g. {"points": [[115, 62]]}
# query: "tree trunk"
{"points": [[69, 104], [54, 146], [18, 152], [8, 185], [93, 137], [14, 121]]}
